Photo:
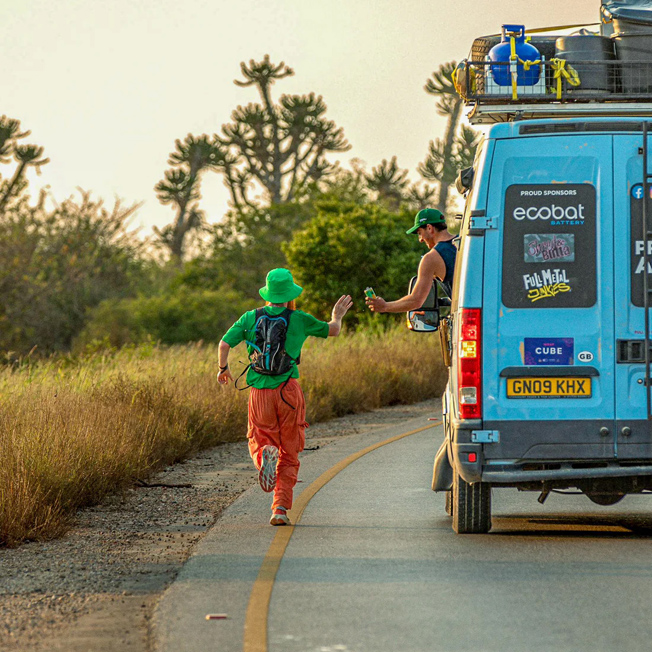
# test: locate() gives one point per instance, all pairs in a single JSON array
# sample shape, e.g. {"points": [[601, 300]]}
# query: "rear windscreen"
{"points": [[549, 243]]}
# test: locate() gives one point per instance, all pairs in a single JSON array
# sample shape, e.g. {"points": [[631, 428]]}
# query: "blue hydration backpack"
{"points": [[269, 357]]}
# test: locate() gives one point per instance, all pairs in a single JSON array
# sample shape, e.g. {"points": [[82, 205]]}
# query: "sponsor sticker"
{"points": [[546, 284], [548, 350], [567, 211], [637, 191], [549, 247], [637, 247]]}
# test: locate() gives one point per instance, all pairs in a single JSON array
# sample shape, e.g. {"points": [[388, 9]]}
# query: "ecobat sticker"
{"points": [[548, 350], [545, 247]]}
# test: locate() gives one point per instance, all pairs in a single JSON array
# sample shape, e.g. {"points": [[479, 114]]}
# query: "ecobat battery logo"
{"points": [[553, 212], [559, 206]]}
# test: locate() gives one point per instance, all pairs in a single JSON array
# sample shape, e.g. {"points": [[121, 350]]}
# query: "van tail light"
{"points": [[469, 370]]}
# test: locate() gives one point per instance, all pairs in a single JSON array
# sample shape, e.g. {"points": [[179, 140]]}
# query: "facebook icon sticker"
{"points": [[637, 191]]}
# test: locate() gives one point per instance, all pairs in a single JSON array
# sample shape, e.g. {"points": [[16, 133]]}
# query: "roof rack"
{"points": [[482, 114], [503, 91]]}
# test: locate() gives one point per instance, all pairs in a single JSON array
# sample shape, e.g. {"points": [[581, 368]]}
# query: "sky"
{"points": [[107, 86]]}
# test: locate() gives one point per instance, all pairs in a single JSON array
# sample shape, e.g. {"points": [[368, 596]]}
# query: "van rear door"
{"points": [[633, 439], [548, 306]]}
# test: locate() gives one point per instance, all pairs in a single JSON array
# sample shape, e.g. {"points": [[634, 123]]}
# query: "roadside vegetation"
{"points": [[101, 377], [73, 430]]}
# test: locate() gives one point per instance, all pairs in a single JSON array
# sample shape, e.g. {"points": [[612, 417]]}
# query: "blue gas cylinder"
{"points": [[525, 52]]}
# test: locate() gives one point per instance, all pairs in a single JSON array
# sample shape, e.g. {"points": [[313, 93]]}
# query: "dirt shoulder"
{"points": [[95, 589]]}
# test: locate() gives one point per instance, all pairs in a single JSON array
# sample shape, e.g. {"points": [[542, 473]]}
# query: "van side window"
{"points": [[549, 246]]}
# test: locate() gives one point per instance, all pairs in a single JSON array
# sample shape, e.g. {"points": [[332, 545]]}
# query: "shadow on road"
{"points": [[574, 525]]}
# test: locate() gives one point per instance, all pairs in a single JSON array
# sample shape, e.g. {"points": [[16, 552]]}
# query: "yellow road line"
{"points": [[255, 632]]}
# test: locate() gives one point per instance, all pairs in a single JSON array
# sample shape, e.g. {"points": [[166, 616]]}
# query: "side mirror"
{"points": [[426, 318], [464, 180]]}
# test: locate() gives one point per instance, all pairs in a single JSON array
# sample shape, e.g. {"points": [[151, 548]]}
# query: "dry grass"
{"points": [[72, 431]]}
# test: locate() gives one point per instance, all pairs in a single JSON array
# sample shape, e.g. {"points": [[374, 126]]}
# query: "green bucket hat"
{"points": [[280, 287], [427, 216]]}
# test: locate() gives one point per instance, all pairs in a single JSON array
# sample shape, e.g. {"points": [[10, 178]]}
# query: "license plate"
{"points": [[549, 387]]}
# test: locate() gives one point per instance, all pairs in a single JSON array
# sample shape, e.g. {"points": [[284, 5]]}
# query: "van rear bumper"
{"points": [[505, 475], [540, 451]]}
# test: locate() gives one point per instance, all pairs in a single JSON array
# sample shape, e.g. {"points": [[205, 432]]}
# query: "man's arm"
{"points": [[339, 310], [224, 374], [431, 265]]}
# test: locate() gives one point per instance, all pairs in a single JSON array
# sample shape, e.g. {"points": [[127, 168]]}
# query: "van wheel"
{"points": [[471, 506], [449, 502]]}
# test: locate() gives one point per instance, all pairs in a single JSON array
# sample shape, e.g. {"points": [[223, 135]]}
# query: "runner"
{"points": [[275, 335]]}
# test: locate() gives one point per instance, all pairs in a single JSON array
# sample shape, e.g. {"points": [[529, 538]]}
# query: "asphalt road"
{"points": [[373, 566]]}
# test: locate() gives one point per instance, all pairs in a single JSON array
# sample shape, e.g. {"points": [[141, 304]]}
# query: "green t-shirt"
{"points": [[302, 325]]}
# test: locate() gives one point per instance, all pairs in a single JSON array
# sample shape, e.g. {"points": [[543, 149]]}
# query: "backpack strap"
{"points": [[287, 313], [244, 371], [259, 313], [287, 380]]}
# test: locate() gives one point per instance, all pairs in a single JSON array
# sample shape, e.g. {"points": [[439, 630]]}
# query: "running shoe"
{"points": [[267, 473], [279, 517]]}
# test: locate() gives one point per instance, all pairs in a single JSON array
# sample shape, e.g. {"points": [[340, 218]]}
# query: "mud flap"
{"points": [[442, 472]]}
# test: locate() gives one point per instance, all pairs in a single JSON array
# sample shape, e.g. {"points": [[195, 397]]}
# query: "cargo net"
{"points": [[554, 80]]}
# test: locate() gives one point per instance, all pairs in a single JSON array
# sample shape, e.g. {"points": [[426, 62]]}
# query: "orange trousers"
{"points": [[273, 422]]}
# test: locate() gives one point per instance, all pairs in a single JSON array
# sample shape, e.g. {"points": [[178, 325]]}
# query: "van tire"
{"points": [[449, 502], [471, 506]]}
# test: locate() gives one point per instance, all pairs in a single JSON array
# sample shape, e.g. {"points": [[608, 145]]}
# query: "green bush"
{"points": [[187, 315], [55, 266], [348, 247]]}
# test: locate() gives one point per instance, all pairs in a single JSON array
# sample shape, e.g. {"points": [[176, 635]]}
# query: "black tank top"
{"points": [[448, 251]]}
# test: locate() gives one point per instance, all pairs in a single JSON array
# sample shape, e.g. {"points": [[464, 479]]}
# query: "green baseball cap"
{"points": [[427, 216], [280, 287]]}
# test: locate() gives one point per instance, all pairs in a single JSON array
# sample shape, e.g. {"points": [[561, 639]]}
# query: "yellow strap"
{"points": [[541, 30], [513, 57], [563, 70], [528, 64]]}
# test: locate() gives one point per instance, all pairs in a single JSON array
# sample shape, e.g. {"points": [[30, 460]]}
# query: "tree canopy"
{"points": [[456, 150], [347, 247], [24, 155], [268, 154]]}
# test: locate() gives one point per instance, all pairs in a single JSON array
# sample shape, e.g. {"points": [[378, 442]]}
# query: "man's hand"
{"points": [[376, 304], [339, 310], [223, 377], [341, 307]]}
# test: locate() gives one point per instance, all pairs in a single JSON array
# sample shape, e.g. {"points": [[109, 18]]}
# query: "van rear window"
{"points": [[549, 241], [637, 247]]}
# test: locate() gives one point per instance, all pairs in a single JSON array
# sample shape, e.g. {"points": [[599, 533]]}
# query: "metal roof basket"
{"points": [[581, 74]]}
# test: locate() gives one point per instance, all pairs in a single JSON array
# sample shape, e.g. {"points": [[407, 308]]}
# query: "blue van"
{"points": [[549, 384]]}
